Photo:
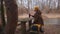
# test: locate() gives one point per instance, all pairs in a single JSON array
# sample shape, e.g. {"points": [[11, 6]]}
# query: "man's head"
{"points": [[36, 8]]}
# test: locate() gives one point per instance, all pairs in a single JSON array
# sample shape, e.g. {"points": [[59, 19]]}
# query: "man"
{"points": [[38, 18]]}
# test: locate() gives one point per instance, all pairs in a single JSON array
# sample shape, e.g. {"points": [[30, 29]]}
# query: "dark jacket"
{"points": [[38, 18]]}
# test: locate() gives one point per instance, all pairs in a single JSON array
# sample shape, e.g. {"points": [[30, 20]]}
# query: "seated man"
{"points": [[38, 18]]}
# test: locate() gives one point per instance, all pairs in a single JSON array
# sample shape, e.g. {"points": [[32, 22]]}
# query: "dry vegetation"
{"points": [[22, 10]]}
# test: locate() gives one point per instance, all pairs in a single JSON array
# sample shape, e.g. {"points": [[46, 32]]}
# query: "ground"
{"points": [[52, 29], [49, 28]]}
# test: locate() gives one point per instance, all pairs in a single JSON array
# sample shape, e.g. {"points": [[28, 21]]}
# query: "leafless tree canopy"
{"points": [[45, 5]]}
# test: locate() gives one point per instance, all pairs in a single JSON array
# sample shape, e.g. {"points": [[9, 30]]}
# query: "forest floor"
{"points": [[48, 28]]}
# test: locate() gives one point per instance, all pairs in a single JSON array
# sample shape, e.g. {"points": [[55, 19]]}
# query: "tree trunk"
{"points": [[2, 18], [12, 16], [2, 13], [58, 4]]}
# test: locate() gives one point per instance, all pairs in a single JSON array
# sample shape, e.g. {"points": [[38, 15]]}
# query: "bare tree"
{"points": [[12, 16], [2, 18], [58, 4], [2, 13]]}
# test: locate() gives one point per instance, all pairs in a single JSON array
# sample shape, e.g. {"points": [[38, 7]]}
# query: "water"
{"points": [[52, 21]]}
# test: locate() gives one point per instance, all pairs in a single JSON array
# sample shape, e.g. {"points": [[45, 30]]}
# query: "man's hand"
{"points": [[29, 15]]}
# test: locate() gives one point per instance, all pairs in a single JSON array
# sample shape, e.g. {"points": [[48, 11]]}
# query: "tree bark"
{"points": [[2, 17], [12, 16], [2, 14]]}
